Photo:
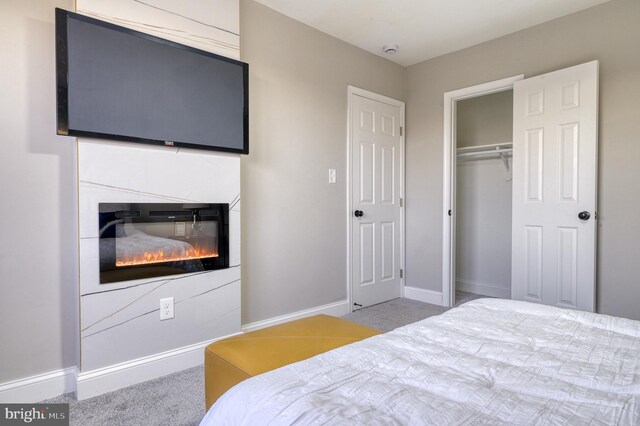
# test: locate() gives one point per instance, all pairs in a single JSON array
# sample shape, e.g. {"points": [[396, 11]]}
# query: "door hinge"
{"points": [[400, 130], [401, 273], [401, 202]]}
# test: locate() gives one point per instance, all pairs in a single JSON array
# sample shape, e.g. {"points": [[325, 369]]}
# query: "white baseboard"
{"points": [[36, 388], [484, 289], [96, 382], [422, 295], [336, 309]]}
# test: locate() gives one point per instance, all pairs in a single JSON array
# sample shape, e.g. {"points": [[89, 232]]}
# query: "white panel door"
{"points": [[555, 140], [376, 225]]}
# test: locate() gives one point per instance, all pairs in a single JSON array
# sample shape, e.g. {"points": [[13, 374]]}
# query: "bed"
{"points": [[488, 362]]}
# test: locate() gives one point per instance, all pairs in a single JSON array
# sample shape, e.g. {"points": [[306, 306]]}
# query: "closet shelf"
{"points": [[495, 148], [499, 149]]}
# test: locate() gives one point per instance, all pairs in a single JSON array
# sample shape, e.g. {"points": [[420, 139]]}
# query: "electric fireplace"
{"points": [[144, 240]]}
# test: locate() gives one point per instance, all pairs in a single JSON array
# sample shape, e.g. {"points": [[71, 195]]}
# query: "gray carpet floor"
{"points": [[398, 312], [178, 399]]}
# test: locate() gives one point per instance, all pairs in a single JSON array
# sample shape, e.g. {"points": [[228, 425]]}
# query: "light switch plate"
{"points": [[332, 175]]}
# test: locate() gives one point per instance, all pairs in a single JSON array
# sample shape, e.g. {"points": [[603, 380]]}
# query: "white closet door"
{"points": [[554, 188]]}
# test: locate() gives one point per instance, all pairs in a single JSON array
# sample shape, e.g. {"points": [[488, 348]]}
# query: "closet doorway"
{"points": [[554, 196], [484, 133], [477, 162]]}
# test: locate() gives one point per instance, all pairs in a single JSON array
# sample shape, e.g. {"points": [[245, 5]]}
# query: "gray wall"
{"points": [[485, 119], [293, 222], [609, 33], [38, 254]]}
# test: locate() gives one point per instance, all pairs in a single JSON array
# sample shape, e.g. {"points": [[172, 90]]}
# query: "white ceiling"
{"points": [[423, 29]]}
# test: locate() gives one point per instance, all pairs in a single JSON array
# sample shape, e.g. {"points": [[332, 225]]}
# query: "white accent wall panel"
{"points": [[213, 26], [120, 322]]}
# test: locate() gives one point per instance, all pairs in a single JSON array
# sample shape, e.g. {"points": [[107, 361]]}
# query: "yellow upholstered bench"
{"points": [[230, 361]]}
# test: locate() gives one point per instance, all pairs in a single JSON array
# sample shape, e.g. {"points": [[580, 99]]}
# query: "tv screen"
{"points": [[117, 83]]}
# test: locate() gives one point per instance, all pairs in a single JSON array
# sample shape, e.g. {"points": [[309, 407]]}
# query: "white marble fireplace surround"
{"points": [[122, 340]]}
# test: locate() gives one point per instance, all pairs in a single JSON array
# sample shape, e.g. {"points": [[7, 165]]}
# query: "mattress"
{"points": [[487, 362]]}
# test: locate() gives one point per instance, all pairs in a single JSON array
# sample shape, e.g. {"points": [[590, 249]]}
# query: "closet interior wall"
{"points": [[483, 196]]}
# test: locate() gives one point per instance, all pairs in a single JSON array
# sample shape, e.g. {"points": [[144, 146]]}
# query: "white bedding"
{"points": [[488, 362]]}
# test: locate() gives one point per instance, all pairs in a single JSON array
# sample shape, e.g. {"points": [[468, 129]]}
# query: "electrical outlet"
{"points": [[166, 308]]}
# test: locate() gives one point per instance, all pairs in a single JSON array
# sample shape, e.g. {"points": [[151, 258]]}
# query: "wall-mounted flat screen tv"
{"points": [[120, 84]]}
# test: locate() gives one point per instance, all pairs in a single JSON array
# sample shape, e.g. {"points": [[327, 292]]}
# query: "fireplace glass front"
{"points": [[144, 240]]}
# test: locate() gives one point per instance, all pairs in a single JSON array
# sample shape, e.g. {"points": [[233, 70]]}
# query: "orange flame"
{"points": [[160, 256]]}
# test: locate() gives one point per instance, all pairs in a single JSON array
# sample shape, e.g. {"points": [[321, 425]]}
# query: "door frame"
{"points": [[356, 91], [449, 176]]}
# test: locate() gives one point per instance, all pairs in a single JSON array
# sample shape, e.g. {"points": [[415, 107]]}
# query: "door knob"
{"points": [[358, 213], [584, 215]]}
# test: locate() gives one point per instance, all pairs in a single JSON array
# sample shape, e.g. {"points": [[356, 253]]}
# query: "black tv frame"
{"points": [[62, 88]]}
